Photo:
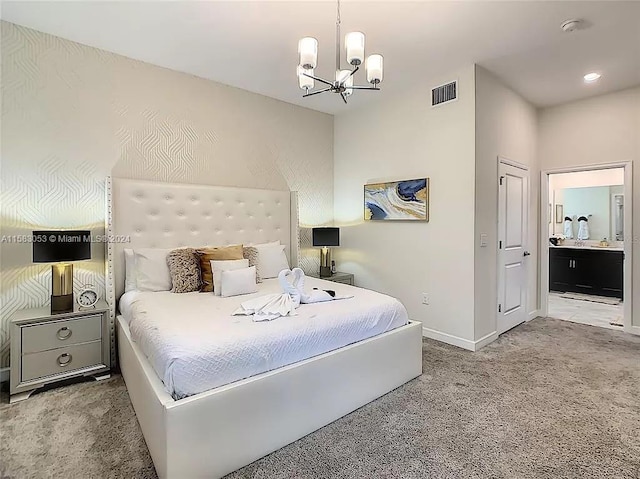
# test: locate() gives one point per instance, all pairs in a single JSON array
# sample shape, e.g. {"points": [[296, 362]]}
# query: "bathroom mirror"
{"points": [[603, 206]]}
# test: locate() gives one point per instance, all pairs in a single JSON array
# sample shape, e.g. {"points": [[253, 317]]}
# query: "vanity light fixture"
{"points": [[592, 77]]}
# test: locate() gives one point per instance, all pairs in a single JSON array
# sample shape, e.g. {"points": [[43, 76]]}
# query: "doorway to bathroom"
{"points": [[586, 271]]}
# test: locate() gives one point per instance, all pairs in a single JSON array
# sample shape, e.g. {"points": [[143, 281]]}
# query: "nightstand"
{"points": [[338, 277], [46, 348]]}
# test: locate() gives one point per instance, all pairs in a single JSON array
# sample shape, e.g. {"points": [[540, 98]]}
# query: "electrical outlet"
{"points": [[425, 298]]}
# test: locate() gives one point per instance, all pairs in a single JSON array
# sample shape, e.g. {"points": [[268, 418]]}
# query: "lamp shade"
{"points": [[61, 246], [326, 236], [374, 66], [354, 42], [305, 82], [308, 52], [344, 76]]}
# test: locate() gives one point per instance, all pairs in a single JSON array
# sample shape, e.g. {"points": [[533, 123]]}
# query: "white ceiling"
{"points": [[253, 45]]}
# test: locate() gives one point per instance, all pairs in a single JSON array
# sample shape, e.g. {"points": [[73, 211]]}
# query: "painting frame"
{"points": [[399, 200]]}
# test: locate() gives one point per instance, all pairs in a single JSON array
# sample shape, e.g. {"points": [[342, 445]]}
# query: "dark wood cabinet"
{"points": [[586, 271]]}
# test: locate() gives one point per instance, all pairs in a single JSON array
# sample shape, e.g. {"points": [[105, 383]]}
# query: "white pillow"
{"points": [[220, 265], [238, 281], [152, 270], [271, 260], [129, 270]]}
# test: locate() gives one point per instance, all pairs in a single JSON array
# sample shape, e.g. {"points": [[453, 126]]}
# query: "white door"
{"points": [[513, 214]]}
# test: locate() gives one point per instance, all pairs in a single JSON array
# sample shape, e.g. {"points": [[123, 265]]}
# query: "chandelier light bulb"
{"points": [[374, 66], [354, 43], [304, 81], [308, 52]]}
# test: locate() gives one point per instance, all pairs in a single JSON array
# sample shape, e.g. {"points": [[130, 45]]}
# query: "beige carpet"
{"points": [[550, 399]]}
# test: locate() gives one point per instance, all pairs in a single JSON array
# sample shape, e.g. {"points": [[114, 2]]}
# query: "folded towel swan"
{"points": [[272, 306]]}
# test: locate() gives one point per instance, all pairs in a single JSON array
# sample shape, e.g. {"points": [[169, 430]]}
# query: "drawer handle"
{"points": [[63, 333], [64, 359]]}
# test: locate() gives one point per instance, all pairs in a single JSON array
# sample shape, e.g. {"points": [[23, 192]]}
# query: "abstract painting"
{"points": [[397, 200]]}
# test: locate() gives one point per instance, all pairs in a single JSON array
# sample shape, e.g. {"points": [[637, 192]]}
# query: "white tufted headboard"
{"points": [[166, 215]]}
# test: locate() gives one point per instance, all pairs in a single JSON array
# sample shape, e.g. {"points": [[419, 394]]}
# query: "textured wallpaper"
{"points": [[72, 115]]}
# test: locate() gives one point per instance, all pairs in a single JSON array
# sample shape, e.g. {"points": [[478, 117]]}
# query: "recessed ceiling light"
{"points": [[591, 77], [572, 25]]}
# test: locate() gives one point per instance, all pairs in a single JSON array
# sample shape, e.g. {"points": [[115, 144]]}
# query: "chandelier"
{"points": [[343, 83]]}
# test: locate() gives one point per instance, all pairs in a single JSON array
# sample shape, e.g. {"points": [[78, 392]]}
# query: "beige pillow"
{"points": [[216, 253], [184, 266]]}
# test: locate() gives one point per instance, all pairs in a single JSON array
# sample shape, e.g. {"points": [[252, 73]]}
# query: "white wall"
{"points": [[401, 138], [603, 129], [506, 127], [72, 115], [583, 179]]}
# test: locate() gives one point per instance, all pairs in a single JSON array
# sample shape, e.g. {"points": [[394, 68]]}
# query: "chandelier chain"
{"points": [[338, 39]]}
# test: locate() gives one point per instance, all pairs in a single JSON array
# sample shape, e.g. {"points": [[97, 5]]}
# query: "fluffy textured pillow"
{"points": [[152, 270], [205, 256], [225, 265], [269, 259], [184, 267], [238, 281]]}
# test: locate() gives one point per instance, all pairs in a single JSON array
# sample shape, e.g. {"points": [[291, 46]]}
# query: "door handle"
{"points": [[526, 253]]}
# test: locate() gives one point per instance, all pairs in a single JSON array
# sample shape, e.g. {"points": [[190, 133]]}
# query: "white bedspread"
{"points": [[195, 344]]}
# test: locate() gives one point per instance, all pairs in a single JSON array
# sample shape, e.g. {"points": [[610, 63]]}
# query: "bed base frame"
{"points": [[216, 432]]}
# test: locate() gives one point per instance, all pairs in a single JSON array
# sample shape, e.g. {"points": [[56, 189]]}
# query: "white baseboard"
{"points": [[482, 342], [4, 374], [632, 330], [459, 342], [533, 314]]}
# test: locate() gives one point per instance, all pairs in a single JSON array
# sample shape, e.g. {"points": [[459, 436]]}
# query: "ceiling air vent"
{"points": [[444, 93]]}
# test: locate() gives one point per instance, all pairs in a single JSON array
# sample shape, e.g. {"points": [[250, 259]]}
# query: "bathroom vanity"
{"points": [[586, 269]]}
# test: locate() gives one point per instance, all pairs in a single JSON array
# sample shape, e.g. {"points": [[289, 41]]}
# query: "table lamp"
{"points": [[61, 247], [325, 237]]}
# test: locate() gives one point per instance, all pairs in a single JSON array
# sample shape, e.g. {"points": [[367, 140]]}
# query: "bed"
{"points": [[208, 429]]}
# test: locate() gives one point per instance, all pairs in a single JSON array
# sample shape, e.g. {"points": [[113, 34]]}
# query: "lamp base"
{"points": [[325, 272], [62, 304], [325, 262], [61, 288]]}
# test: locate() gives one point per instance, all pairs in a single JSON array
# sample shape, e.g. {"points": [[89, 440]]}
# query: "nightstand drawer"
{"points": [[59, 361], [59, 334], [344, 280]]}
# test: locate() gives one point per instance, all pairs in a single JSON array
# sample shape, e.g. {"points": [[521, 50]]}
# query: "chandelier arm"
{"points": [[316, 92], [344, 98], [355, 87], [319, 79], [353, 72]]}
